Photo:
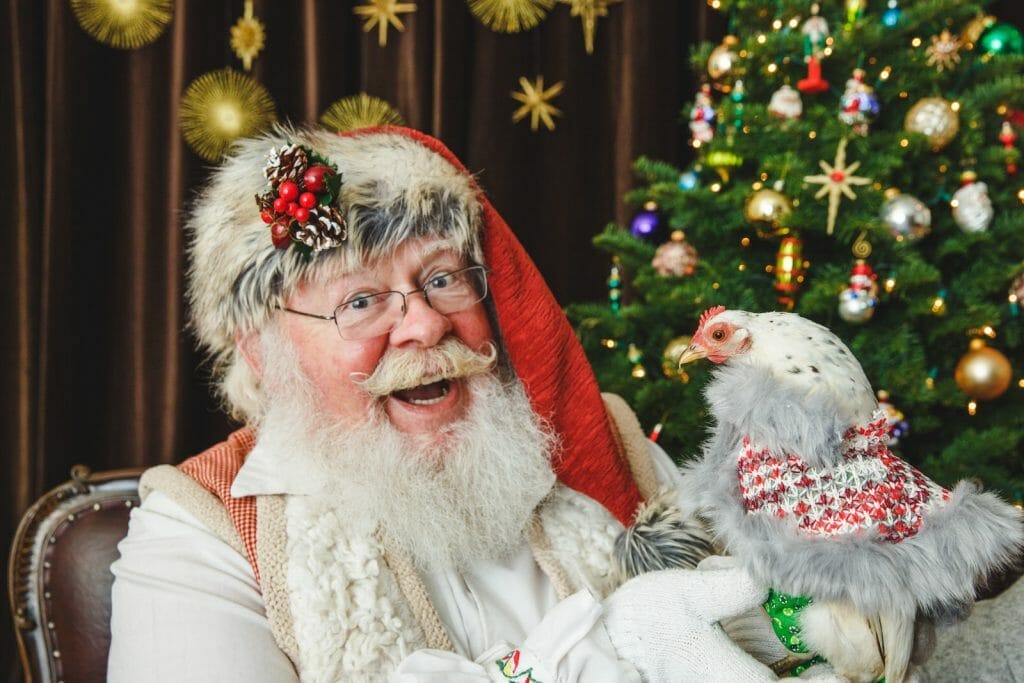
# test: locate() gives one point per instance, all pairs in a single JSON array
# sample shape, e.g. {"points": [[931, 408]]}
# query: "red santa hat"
{"points": [[397, 184]]}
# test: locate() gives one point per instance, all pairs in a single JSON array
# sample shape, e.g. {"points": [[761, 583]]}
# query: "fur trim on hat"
{"points": [[393, 188]]}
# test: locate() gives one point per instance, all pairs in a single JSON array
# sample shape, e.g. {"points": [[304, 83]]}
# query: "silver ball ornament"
{"points": [[906, 216], [856, 305]]}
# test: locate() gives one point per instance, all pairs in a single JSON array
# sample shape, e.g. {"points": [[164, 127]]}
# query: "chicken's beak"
{"points": [[692, 353]]}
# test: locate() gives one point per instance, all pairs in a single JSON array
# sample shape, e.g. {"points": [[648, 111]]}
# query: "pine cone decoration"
{"points": [[325, 229], [287, 163], [265, 201]]}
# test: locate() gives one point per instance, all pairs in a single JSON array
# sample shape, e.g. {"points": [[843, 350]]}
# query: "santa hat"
{"points": [[397, 184]]}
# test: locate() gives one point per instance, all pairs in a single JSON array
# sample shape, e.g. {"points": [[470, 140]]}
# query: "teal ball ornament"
{"points": [[1002, 39]]}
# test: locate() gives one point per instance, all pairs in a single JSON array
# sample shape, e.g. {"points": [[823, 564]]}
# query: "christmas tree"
{"points": [[857, 165]]}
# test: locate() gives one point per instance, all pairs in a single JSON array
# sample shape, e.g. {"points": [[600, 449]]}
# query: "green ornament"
{"points": [[1002, 39]]}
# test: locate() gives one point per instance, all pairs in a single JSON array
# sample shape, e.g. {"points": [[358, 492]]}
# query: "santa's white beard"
{"points": [[445, 499]]}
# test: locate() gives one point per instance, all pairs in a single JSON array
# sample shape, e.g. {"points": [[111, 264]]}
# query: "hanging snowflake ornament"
{"points": [[510, 16], [835, 181], [248, 36], [221, 106], [535, 99], [381, 13], [360, 111], [588, 11], [944, 52], [125, 25]]}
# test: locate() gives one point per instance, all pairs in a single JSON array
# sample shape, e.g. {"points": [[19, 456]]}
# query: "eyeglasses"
{"points": [[373, 315]]}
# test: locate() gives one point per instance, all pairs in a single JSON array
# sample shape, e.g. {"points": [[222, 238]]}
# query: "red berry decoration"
{"points": [[267, 215], [280, 235], [288, 191], [280, 204], [302, 214], [307, 200], [292, 208], [313, 178]]}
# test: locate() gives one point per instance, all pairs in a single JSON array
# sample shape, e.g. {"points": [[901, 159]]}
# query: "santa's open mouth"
{"points": [[425, 394]]}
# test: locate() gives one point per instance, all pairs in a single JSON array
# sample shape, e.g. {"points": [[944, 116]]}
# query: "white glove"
{"points": [[666, 623]]}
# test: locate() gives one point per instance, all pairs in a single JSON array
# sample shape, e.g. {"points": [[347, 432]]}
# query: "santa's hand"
{"points": [[666, 623]]}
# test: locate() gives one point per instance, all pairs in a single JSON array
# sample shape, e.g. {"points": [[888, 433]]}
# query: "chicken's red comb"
{"points": [[709, 314]]}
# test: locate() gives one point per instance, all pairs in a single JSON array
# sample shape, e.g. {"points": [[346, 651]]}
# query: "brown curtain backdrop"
{"points": [[99, 368]]}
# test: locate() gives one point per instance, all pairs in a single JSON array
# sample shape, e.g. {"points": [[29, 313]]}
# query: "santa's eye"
{"points": [[718, 335]]}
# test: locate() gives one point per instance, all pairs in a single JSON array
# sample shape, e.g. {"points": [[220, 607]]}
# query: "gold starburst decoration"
{"points": [[588, 11], [836, 181], [125, 24], [360, 111], [380, 13], [221, 106], [510, 16], [944, 52], [248, 36], [535, 102]]}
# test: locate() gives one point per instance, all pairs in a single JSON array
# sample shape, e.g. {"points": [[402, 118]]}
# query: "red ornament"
{"points": [[291, 208], [313, 178], [814, 83], [307, 200], [280, 204], [288, 191], [302, 214], [280, 235], [267, 215]]}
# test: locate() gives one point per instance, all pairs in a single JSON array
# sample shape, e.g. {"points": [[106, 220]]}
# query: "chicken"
{"points": [[797, 481]]}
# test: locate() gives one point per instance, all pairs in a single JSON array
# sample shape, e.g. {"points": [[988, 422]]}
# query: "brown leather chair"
{"points": [[59, 575]]}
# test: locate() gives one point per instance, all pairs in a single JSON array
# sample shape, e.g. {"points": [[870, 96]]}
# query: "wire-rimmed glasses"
{"points": [[372, 315]]}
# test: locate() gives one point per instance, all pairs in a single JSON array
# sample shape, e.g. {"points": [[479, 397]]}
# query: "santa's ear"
{"points": [[249, 346]]}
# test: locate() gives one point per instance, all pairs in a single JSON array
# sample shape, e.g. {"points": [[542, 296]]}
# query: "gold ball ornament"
{"points": [[767, 206], [983, 373], [723, 58], [670, 358], [934, 118]]}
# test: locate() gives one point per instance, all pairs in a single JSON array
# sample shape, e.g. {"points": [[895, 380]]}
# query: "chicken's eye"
{"points": [[718, 335]]}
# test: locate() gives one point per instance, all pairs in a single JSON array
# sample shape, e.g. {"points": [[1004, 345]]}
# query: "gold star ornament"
{"points": [[944, 52], [835, 181], [380, 13], [536, 103], [360, 111], [125, 24], [248, 36], [588, 11]]}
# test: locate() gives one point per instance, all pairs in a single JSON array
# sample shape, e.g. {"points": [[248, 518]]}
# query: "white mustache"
{"points": [[404, 369]]}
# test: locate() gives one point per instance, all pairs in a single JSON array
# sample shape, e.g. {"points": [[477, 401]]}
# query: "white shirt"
{"points": [[186, 607]]}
